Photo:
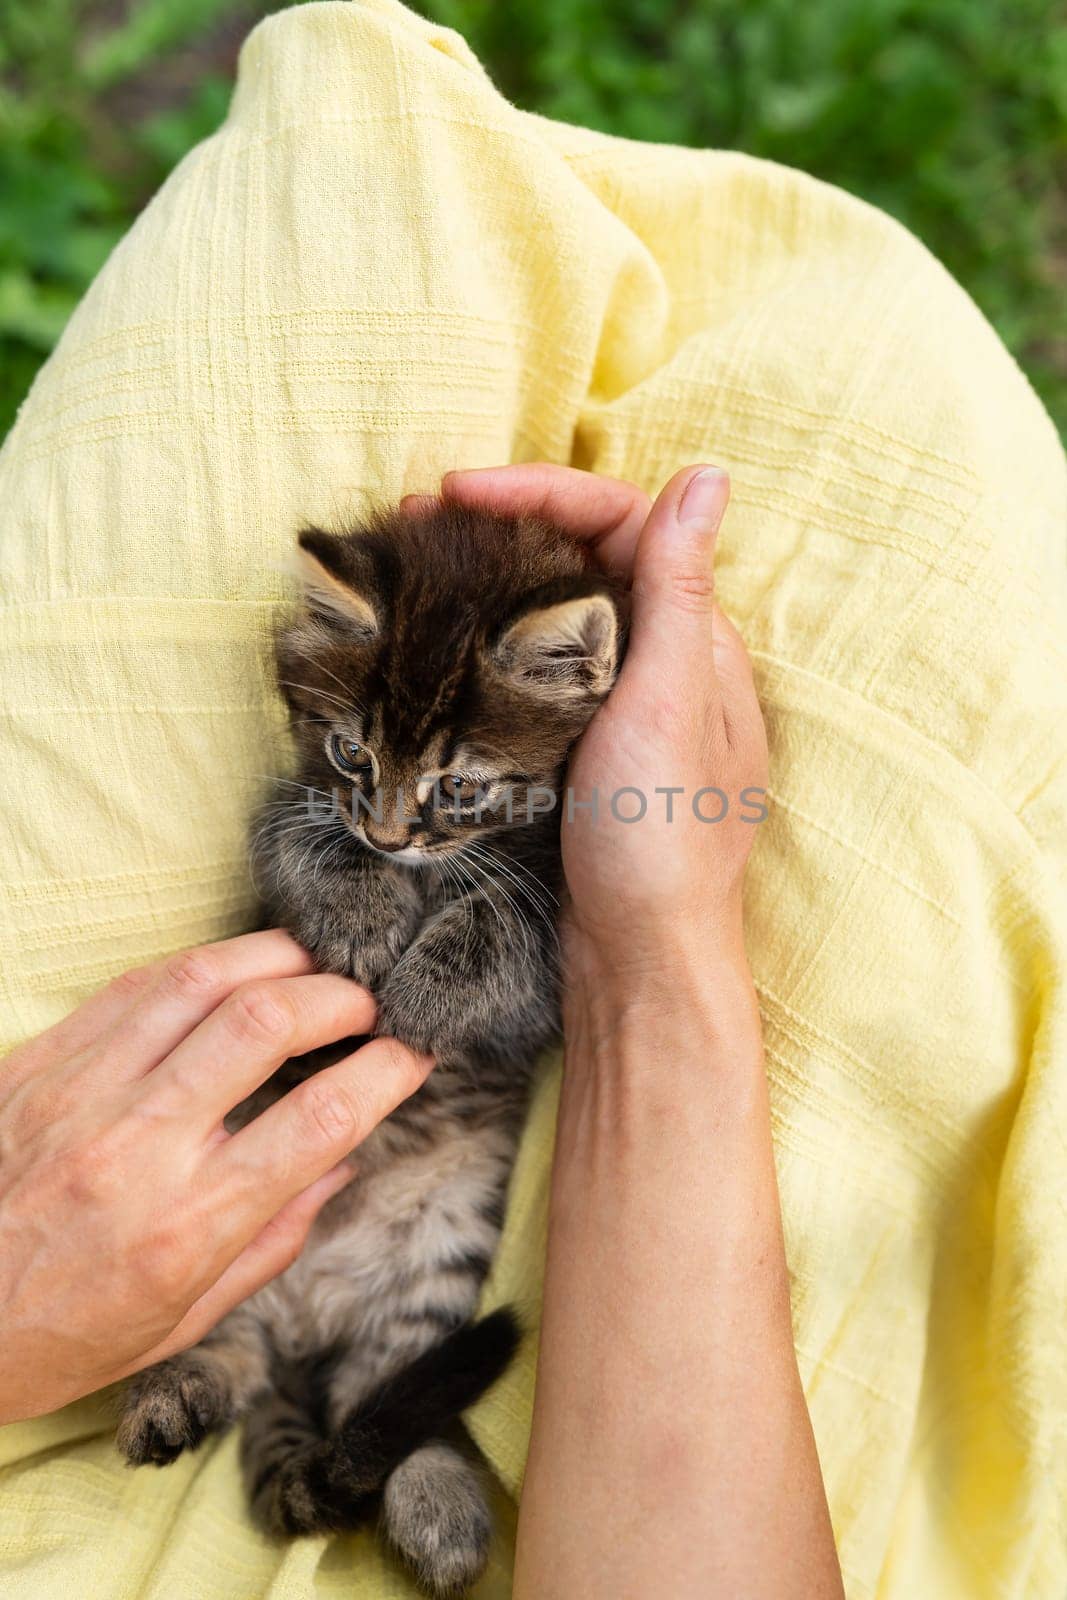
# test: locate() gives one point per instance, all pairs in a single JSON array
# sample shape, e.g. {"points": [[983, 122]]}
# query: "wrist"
{"points": [[634, 936], [693, 996], [663, 1064]]}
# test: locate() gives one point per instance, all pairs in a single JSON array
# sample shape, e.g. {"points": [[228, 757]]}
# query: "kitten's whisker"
{"points": [[319, 832], [344, 687], [468, 897], [517, 866], [282, 827], [480, 890], [534, 892], [346, 705], [504, 865], [328, 855], [290, 783], [271, 828], [444, 866], [322, 797], [278, 824], [529, 941], [288, 808], [544, 916], [296, 811]]}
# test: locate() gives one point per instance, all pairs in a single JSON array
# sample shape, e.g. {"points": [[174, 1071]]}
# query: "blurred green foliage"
{"points": [[951, 114]]}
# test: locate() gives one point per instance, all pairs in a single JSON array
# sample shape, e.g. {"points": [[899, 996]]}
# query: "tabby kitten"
{"points": [[440, 670]]}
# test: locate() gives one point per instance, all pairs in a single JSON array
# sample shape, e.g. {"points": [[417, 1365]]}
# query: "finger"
{"points": [[309, 1130], [414, 504], [75, 1031], [605, 513], [674, 581], [248, 1037], [143, 999], [274, 1248], [184, 990]]}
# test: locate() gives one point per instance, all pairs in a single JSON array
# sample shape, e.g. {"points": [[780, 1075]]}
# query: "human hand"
{"points": [[665, 1266], [683, 716], [130, 1220]]}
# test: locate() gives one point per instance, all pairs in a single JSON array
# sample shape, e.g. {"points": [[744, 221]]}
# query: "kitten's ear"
{"points": [[570, 649], [337, 584]]}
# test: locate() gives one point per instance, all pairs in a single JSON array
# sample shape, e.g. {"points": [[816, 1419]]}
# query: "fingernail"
{"points": [[705, 497]]}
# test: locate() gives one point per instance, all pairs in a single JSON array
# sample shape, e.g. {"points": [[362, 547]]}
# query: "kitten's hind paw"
{"points": [[310, 1490], [435, 1514], [170, 1408]]}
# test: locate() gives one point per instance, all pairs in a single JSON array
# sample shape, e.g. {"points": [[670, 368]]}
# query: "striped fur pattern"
{"points": [[437, 658]]}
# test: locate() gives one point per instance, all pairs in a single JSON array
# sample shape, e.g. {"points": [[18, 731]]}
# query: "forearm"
{"points": [[672, 1453]]}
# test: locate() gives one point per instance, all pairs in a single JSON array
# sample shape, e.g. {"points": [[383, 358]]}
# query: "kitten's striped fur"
{"points": [[444, 642]]}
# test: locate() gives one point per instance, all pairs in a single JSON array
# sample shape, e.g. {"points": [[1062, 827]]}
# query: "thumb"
{"points": [[674, 574]]}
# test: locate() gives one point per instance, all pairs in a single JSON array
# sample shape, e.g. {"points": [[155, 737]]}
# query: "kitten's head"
{"points": [[443, 664]]}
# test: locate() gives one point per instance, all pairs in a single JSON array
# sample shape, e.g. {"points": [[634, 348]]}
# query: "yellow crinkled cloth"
{"points": [[377, 270]]}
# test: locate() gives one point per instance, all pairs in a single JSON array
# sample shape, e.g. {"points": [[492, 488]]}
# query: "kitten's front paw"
{"points": [[170, 1408], [349, 948], [363, 934], [423, 1002]]}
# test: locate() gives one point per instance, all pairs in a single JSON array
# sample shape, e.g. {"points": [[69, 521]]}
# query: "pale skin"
{"points": [[672, 1454]]}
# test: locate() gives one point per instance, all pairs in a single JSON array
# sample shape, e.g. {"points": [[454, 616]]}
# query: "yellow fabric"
{"points": [[378, 270]]}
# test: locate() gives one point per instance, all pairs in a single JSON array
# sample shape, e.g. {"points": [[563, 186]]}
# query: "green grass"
{"points": [[951, 114]]}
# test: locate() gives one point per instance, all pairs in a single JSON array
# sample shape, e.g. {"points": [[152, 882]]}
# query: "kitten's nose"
{"points": [[384, 841]]}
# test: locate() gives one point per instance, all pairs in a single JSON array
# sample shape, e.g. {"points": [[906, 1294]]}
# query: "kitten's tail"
{"points": [[334, 1482]]}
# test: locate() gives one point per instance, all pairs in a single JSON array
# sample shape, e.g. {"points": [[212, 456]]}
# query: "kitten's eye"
{"points": [[455, 789], [349, 755]]}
